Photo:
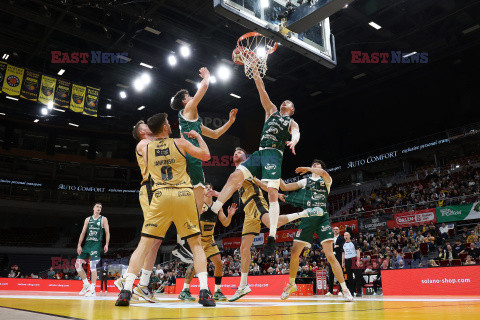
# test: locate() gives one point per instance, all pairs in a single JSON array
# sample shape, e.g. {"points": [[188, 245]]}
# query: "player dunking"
{"points": [[188, 120], [255, 208], [267, 162], [208, 220], [173, 201], [311, 194], [93, 227]]}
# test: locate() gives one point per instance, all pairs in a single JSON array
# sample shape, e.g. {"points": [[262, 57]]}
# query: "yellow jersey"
{"points": [[248, 190], [208, 220], [143, 167], [167, 166]]}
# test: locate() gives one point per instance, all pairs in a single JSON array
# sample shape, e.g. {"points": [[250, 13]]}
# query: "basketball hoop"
{"points": [[254, 49]]}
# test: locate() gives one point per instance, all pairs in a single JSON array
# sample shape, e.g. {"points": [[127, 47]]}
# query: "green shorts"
{"points": [[195, 171], [92, 250], [265, 164], [311, 225]]}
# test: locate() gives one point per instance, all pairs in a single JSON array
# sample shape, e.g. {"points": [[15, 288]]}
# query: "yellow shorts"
{"points": [[145, 197], [169, 205], [255, 208], [209, 246]]}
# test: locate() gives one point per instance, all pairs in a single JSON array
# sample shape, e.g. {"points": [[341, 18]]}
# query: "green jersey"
{"points": [[95, 230], [313, 193], [276, 132], [189, 125]]}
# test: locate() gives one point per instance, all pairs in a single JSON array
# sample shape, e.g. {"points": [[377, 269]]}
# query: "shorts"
{"points": [[266, 163], [311, 225], [91, 250], [169, 205], [209, 246], [255, 208], [195, 171], [145, 196]]}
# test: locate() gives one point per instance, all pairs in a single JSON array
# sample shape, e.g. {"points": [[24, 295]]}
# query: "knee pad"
{"points": [[93, 265], [79, 264]]}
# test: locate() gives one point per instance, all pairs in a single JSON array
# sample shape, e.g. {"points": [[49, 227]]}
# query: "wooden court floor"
{"points": [[19, 305]]}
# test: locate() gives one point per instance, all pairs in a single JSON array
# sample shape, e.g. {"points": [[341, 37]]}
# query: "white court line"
{"points": [[192, 305]]}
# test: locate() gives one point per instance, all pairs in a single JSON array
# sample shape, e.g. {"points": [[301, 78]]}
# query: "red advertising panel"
{"points": [[407, 219], [260, 285], [353, 224], [49, 285], [451, 281], [284, 235], [231, 242]]}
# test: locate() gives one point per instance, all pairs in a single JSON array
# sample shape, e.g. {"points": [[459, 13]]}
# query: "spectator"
{"points": [[471, 251], [450, 254], [472, 238], [50, 273], [443, 230], [469, 261], [432, 263]]}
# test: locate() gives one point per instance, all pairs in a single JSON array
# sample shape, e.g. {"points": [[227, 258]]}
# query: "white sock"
{"points": [[218, 287], [145, 278], [243, 280], [186, 286], [297, 215], [292, 281], [216, 206], [343, 285], [273, 213], [203, 277], [130, 278], [180, 241], [85, 282]]}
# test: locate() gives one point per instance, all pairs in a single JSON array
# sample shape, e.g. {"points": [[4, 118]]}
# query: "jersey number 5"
{"points": [[167, 173]]}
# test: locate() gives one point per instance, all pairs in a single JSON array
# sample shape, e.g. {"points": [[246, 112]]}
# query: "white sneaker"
{"points": [[240, 293], [340, 293], [84, 289], [328, 294], [348, 296], [289, 289], [91, 291]]}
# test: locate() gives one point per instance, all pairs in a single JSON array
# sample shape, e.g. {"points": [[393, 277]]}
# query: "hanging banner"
{"points": [[372, 224], [91, 102], [62, 93], [458, 213], [3, 69], [47, 88], [413, 218], [30, 85], [77, 102], [13, 80]]}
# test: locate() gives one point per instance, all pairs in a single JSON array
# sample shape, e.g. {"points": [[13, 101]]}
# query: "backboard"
{"points": [[276, 19]]}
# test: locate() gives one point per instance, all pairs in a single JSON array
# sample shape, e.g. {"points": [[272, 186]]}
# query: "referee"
{"points": [[351, 263]]}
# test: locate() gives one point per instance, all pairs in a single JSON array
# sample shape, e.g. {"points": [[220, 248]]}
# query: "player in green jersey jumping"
{"points": [[188, 120], [279, 130], [93, 230]]}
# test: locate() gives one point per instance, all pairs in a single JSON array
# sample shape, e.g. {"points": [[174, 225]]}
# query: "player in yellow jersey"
{"points": [[208, 220], [173, 202]]}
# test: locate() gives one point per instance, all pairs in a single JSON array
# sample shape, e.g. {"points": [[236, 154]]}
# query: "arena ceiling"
{"points": [[350, 109]]}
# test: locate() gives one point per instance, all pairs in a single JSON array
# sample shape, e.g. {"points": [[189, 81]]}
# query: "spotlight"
{"points": [[50, 105], [44, 111], [224, 73], [61, 72], [141, 82], [172, 60], [213, 79], [36, 120], [108, 106], [123, 94], [141, 108], [185, 51]]}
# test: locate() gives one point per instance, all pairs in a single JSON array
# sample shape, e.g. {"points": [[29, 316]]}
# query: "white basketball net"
{"points": [[254, 51]]}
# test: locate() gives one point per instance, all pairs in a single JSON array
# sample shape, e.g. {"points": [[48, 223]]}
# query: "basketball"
{"points": [[237, 56]]}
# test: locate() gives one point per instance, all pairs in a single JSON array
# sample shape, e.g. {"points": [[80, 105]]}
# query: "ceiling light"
{"points": [[213, 79], [345, 6], [2, 114], [50, 105], [172, 60], [270, 78], [154, 31], [141, 108], [5, 56], [410, 54], [235, 96], [108, 106], [124, 58], [122, 86], [44, 111], [224, 72], [374, 25], [146, 65], [457, 166], [185, 51], [73, 124], [123, 94], [36, 120], [141, 82], [265, 3], [61, 72], [475, 27], [11, 98], [56, 109], [358, 76], [316, 93]]}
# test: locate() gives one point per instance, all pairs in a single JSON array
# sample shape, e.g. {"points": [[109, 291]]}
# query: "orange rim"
{"points": [[256, 34]]}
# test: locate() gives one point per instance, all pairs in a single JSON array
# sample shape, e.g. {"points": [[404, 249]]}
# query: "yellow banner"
{"points": [[77, 101], [47, 88], [91, 102], [13, 80]]}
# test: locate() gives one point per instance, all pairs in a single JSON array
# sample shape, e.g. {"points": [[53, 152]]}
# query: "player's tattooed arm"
{"points": [[264, 98], [190, 111], [217, 133]]}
